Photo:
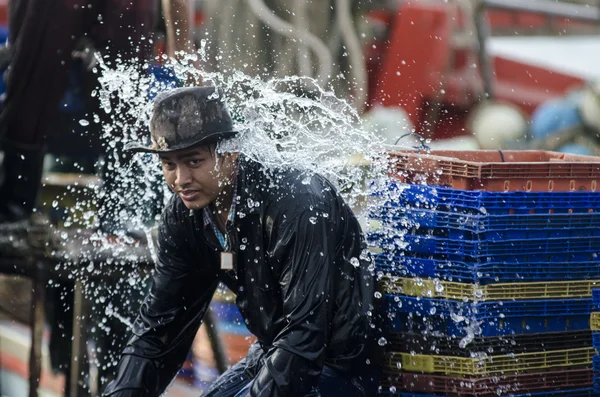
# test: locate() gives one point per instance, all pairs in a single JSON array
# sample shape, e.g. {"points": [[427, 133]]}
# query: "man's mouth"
{"points": [[189, 195]]}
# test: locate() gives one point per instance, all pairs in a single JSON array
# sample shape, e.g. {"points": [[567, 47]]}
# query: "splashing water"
{"points": [[282, 123], [312, 131], [111, 311], [151, 247]]}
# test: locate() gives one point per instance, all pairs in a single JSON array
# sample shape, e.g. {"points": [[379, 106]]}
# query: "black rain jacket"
{"points": [[302, 276]]}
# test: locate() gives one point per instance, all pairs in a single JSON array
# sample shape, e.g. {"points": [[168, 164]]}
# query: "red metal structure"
{"points": [[424, 67], [3, 12]]}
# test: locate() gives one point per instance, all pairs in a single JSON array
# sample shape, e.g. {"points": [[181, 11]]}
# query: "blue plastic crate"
{"points": [[596, 369], [455, 318], [228, 318], [582, 249], [596, 297], [596, 343], [483, 311], [491, 227], [586, 392], [486, 272], [479, 202]]}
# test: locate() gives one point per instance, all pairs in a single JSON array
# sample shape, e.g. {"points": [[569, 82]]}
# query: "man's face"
{"points": [[193, 174]]}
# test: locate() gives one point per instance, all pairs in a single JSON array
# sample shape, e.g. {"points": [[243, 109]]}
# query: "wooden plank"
{"points": [[37, 329], [79, 356]]}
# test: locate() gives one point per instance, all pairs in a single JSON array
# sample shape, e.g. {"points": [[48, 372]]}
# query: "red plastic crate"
{"points": [[496, 170]]}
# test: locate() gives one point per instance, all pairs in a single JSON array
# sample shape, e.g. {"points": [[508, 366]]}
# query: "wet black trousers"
{"points": [[332, 383]]}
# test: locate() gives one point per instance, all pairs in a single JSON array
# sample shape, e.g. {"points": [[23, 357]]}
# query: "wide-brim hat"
{"points": [[187, 117]]}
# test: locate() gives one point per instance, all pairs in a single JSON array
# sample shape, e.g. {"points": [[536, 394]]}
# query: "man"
{"points": [[49, 40], [44, 38], [570, 124], [292, 251]]}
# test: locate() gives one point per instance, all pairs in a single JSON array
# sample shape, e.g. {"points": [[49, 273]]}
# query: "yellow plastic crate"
{"points": [[504, 291], [491, 365], [595, 321], [224, 295]]}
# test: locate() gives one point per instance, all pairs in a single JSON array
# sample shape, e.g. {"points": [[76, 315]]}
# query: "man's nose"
{"points": [[183, 176]]}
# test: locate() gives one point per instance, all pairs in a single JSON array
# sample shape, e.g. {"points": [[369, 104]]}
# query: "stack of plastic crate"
{"points": [[595, 327], [487, 271]]}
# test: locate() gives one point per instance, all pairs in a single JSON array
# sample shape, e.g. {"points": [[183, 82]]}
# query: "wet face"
{"points": [[199, 175]]}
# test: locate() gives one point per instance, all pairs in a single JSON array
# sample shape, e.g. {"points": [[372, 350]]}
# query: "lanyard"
{"points": [[223, 238]]}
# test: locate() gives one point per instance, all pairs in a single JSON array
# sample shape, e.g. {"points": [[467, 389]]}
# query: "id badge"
{"points": [[226, 261]]}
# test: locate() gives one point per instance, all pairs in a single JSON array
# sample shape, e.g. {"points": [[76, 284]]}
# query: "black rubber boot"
{"points": [[20, 180]]}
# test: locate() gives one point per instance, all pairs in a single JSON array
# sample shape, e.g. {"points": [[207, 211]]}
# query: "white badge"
{"points": [[226, 261]]}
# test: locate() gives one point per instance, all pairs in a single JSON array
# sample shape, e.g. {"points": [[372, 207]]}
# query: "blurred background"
{"points": [[451, 74]]}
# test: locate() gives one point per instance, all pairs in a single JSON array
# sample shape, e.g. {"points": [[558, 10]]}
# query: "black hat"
{"points": [[186, 117]]}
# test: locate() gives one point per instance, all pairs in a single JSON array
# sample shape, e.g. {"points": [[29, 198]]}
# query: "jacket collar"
{"points": [[248, 199]]}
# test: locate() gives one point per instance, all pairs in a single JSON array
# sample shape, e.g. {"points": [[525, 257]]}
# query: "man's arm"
{"points": [[304, 248], [169, 318]]}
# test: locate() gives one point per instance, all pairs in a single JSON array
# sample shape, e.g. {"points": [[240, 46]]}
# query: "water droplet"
{"points": [[313, 220], [84, 122], [354, 262], [382, 341], [364, 255], [242, 247], [378, 295], [54, 204]]}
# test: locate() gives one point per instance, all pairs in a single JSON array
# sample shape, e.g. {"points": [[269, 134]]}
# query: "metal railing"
{"points": [[548, 8]]}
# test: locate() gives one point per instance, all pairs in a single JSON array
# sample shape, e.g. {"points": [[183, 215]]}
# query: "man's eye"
{"points": [[195, 162], [168, 165]]}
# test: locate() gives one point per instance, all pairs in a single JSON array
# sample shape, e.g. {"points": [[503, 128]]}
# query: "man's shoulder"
{"points": [[275, 182], [285, 192], [301, 191]]}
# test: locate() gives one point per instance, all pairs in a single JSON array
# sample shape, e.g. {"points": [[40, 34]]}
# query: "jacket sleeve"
{"points": [[303, 248], [169, 317]]}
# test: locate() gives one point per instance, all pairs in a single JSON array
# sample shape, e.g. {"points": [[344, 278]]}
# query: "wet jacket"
{"points": [[302, 278]]}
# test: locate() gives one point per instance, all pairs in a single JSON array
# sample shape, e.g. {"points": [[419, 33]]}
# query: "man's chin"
{"points": [[195, 205]]}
